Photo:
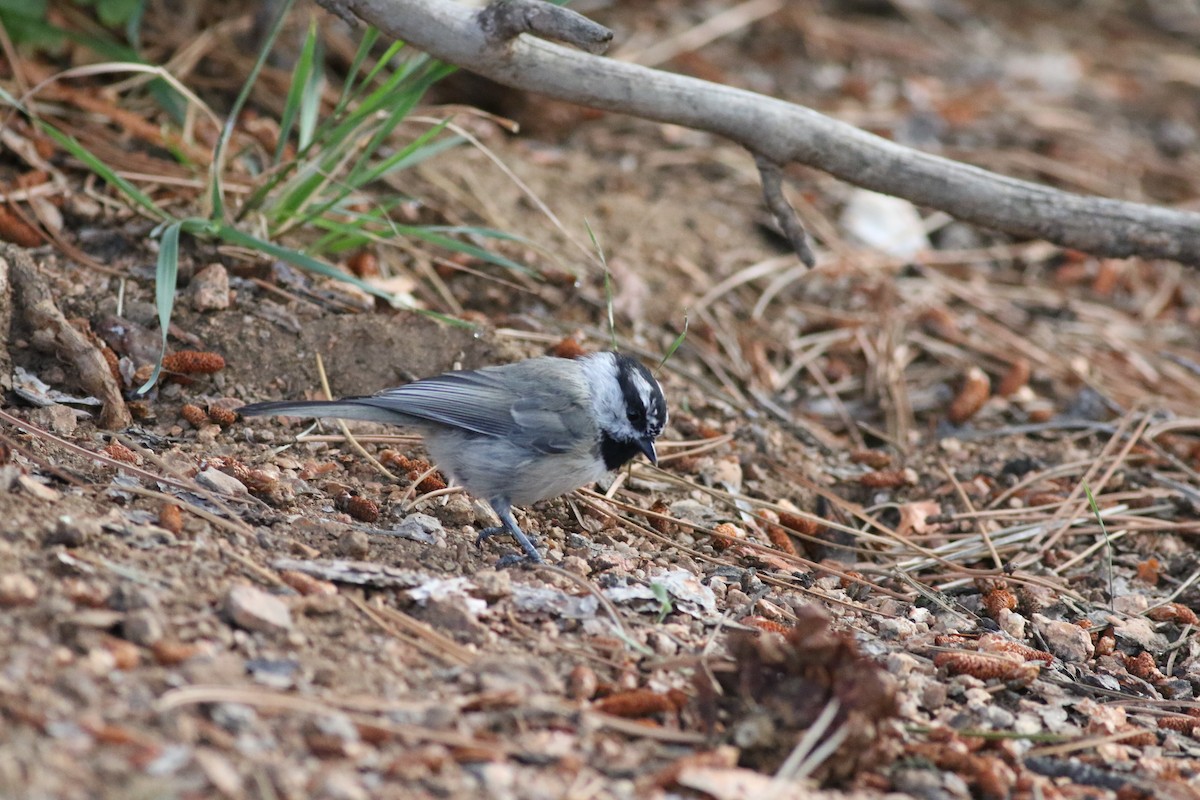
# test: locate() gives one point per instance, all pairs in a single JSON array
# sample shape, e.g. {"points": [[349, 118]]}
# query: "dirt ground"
{"points": [[866, 565]]}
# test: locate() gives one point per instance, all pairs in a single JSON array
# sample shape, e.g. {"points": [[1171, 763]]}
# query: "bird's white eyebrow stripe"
{"points": [[643, 388]]}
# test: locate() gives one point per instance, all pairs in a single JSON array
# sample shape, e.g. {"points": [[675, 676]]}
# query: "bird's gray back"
{"points": [[541, 404]]}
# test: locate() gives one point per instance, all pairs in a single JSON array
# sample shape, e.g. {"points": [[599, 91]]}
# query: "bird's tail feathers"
{"points": [[348, 408]]}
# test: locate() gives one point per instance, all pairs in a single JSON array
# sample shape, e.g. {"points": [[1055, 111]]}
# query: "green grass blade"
{"points": [[411, 155], [166, 275], [350, 86], [674, 346], [310, 106], [414, 153], [304, 261], [296, 91], [608, 286], [216, 193], [435, 236], [1107, 544]]}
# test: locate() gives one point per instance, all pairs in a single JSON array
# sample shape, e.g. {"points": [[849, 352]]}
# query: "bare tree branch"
{"points": [[782, 133], [507, 19], [786, 216]]}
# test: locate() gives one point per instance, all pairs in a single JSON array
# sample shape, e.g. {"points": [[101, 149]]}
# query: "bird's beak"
{"points": [[647, 447]]}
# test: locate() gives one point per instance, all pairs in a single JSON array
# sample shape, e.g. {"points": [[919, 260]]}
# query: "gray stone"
{"points": [[354, 544], [71, 531], [143, 627], [1069, 642]]}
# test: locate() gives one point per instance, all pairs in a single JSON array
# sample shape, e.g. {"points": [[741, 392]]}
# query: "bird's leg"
{"points": [[503, 510]]}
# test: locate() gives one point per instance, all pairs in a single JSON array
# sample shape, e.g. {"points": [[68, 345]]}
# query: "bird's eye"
{"points": [[636, 417]]}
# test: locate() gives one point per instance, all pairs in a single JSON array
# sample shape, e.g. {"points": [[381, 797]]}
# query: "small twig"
{"points": [[358, 448], [504, 20], [785, 216], [42, 314], [982, 525], [410, 630], [786, 133]]}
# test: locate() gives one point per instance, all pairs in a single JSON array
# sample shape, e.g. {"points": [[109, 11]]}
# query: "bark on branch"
{"points": [[782, 133]]}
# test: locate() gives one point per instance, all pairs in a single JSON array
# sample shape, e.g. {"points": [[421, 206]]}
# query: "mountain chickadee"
{"points": [[518, 433]]}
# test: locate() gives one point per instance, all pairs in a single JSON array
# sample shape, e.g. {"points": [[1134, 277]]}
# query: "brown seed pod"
{"points": [[777, 535], [169, 653], [193, 362], [875, 459], [1142, 665], [221, 415], [974, 393], [1014, 378], [125, 654], [194, 414], [1174, 612], [726, 535], [992, 643], [986, 667], [430, 483], [888, 478], [582, 683], [170, 518], [641, 703], [764, 624], [307, 585], [360, 508], [1181, 724], [364, 264], [1148, 571], [997, 600], [799, 524], [120, 452], [567, 348], [664, 526], [16, 230], [114, 364]]}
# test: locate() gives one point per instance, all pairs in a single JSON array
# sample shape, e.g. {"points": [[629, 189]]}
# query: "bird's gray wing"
{"points": [[544, 411]]}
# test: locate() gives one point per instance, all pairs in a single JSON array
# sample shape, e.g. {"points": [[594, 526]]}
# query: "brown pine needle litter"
{"points": [[866, 563]]}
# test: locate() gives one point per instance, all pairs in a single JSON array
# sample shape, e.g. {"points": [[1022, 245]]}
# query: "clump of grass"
{"points": [[319, 183]]}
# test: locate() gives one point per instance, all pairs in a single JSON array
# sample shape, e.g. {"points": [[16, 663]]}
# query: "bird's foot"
{"points": [[488, 533], [530, 556], [518, 560]]}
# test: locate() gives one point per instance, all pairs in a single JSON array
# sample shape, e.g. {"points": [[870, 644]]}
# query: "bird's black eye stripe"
{"points": [[635, 405]]}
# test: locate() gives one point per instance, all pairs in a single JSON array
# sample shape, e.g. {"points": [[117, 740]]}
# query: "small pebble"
{"points": [[17, 590], [58, 418], [143, 627], [210, 289], [70, 531], [221, 483], [354, 544], [255, 610]]}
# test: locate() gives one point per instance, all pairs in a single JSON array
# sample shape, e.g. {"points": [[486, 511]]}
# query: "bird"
{"points": [[517, 433]]}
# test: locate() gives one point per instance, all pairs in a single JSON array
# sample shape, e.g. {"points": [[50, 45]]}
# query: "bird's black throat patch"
{"points": [[616, 452]]}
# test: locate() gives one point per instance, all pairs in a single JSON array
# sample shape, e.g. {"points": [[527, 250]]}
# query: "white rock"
{"points": [[888, 224]]}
